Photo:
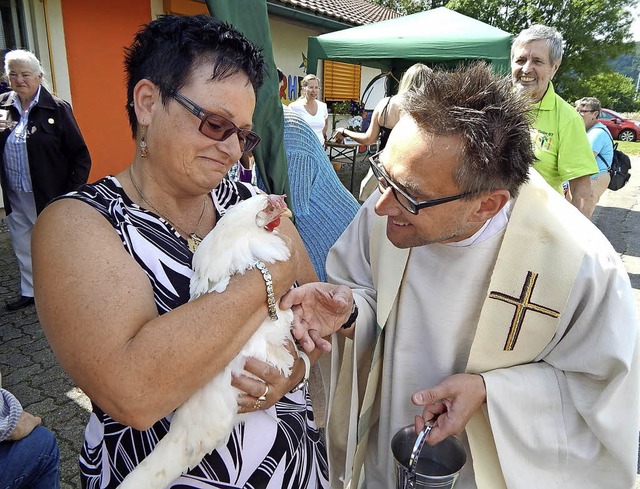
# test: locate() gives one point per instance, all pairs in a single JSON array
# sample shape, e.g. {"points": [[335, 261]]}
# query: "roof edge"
{"points": [[274, 7]]}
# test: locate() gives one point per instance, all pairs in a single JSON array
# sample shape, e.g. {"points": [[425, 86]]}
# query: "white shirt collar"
{"points": [[18, 105]]}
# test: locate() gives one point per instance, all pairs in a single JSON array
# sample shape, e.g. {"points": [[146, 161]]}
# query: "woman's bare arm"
{"points": [[96, 306], [373, 131]]}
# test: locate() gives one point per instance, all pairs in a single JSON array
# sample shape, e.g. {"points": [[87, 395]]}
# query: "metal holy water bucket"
{"points": [[419, 465]]}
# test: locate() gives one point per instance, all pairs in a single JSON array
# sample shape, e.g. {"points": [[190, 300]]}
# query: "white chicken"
{"points": [[242, 237]]}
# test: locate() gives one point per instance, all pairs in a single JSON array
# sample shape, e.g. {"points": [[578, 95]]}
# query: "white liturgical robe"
{"points": [[567, 418]]}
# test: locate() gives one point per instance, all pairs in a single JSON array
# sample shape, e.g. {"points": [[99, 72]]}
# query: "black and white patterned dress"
{"points": [[275, 448]]}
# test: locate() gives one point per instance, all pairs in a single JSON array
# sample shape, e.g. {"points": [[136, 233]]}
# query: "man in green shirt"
{"points": [[560, 141]]}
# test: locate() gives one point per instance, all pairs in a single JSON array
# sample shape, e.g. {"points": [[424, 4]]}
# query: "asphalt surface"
{"points": [[30, 370]]}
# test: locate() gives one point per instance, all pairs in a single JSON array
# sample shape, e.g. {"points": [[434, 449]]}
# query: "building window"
{"points": [[341, 81], [13, 33], [12, 26]]}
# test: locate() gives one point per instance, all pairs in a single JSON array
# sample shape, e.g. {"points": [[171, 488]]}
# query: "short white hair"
{"points": [[22, 56], [538, 32], [28, 58]]}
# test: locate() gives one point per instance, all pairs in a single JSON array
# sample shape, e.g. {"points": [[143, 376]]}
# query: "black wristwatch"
{"points": [[352, 317]]}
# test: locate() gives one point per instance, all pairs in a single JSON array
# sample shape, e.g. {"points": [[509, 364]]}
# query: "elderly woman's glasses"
{"points": [[410, 204], [215, 126]]}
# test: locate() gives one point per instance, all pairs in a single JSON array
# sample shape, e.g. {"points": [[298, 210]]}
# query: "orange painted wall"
{"points": [[184, 7], [95, 36]]}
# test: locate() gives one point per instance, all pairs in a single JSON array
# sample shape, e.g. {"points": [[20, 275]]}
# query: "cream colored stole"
{"points": [[534, 273], [387, 269], [355, 374]]}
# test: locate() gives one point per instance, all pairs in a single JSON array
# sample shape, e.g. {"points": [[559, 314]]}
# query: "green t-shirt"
{"points": [[560, 141]]}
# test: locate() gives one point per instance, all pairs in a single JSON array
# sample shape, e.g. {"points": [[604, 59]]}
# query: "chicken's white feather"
{"points": [[205, 421]]}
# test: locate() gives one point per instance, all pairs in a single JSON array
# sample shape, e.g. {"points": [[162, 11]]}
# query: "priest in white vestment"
{"points": [[475, 298]]}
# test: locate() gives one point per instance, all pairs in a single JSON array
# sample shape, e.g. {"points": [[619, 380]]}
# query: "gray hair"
{"points": [[490, 118], [28, 58], [591, 102], [538, 32]]}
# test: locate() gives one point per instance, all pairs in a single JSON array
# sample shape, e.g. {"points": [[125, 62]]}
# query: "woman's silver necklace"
{"points": [[193, 239]]}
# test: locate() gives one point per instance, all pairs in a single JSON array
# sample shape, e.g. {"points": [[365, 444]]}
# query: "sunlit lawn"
{"points": [[632, 149]]}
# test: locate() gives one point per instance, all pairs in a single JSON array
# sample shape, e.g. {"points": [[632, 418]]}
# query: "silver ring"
{"points": [[263, 397]]}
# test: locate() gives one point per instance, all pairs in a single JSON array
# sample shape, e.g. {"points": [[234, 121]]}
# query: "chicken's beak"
{"points": [[269, 217]]}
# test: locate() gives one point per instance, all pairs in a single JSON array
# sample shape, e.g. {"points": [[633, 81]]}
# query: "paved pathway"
{"points": [[31, 372]]}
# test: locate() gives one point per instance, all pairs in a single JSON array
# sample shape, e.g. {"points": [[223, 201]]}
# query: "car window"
{"points": [[605, 115]]}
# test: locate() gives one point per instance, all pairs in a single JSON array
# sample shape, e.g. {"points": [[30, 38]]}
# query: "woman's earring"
{"points": [[144, 151]]}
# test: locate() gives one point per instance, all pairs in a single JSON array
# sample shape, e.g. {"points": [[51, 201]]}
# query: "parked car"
{"points": [[619, 126]]}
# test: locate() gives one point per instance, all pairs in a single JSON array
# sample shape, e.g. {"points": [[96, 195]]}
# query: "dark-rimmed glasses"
{"points": [[215, 126], [408, 203], [585, 111]]}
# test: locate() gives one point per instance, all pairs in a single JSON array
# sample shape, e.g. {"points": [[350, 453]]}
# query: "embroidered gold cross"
{"points": [[523, 305]]}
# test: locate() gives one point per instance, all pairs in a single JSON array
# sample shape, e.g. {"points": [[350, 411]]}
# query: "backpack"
{"points": [[620, 166]]}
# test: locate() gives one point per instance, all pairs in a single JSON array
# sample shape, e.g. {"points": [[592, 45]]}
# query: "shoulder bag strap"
{"points": [[604, 161], [385, 111], [612, 143]]}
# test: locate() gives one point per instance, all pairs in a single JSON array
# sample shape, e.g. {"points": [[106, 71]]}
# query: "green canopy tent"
{"points": [[434, 37]]}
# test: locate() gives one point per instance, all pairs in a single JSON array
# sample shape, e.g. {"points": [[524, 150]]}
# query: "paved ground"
{"points": [[361, 169], [31, 372]]}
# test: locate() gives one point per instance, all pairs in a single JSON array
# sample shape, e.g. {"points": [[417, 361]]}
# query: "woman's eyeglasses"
{"points": [[410, 204], [215, 126]]}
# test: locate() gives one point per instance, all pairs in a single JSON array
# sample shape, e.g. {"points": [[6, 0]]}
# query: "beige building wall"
{"points": [[289, 41]]}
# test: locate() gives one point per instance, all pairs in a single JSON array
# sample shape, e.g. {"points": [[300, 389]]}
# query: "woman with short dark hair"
{"points": [[113, 264]]}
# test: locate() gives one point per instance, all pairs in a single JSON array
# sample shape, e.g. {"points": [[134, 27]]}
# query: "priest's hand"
{"points": [[319, 310], [449, 405]]}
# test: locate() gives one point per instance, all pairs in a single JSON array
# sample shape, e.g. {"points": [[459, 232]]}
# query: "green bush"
{"points": [[340, 107], [615, 91]]}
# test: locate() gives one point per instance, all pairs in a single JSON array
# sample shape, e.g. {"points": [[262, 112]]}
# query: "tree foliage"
{"points": [[594, 31], [408, 7], [615, 91], [628, 64]]}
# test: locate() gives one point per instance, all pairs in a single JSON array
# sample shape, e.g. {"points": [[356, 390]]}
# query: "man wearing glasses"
{"points": [[470, 295]]}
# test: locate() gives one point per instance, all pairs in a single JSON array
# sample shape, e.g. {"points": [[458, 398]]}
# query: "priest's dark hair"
{"points": [[490, 118], [167, 50]]}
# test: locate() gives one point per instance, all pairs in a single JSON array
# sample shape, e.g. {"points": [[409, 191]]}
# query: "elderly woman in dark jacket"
{"points": [[43, 156]]}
